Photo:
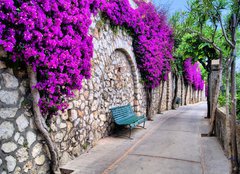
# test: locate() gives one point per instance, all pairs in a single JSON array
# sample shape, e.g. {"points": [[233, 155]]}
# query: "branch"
{"points": [[224, 32], [203, 64], [38, 119], [205, 39], [215, 30]]}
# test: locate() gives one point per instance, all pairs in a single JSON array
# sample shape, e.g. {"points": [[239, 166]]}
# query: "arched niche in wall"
{"points": [[119, 81]]}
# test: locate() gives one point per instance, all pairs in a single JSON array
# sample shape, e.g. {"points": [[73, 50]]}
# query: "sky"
{"points": [[172, 5]]}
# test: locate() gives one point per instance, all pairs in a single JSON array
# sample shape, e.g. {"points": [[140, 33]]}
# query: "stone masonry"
{"points": [[22, 149]]}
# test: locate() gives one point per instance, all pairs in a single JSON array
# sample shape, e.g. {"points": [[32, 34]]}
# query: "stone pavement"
{"points": [[171, 144]]}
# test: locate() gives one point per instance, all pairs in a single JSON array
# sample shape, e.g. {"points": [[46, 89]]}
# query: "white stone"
{"points": [[31, 137], [36, 150], [10, 81], [27, 167], [90, 96], [82, 106], [9, 147], [9, 97], [21, 140], [70, 105], [8, 112], [4, 172], [94, 105], [22, 123], [40, 160], [73, 115], [58, 120], [0, 162], [11, 163], [6, 130], [28, 114], [17, 170], [103, 117], [22, 89], [63, 125], [22, 154], [59, 137], [64, 116], [16, 136], [76, 122], [53, 127], [76, 104]]}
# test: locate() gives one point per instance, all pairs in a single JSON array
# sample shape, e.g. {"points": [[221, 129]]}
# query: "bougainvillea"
{"points": [[152, 37], [52, 37], [192, 74]]}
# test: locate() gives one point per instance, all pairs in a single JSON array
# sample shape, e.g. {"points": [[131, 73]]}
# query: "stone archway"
{"points": [[119, 83]]}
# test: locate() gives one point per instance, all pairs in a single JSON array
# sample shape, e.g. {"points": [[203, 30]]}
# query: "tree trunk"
{"points": [[161, 97], [209, 66], [208, 97], [182, 94], [198, 96], [235, 166], [149, 103], [191, 94], [186, 93], [38, 120], [228, 121], [215, 97], [175, 93], [233, 120]]}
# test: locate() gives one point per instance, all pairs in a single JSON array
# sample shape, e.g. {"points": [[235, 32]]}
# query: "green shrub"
{"points": [[222, 100]]}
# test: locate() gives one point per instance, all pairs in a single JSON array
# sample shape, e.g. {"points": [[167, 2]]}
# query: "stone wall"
{"points": [[22, 149], [222, 125], [115, 81], [223, 131]]}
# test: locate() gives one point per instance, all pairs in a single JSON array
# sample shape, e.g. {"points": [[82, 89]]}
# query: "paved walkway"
{"points": [[171, 144]]}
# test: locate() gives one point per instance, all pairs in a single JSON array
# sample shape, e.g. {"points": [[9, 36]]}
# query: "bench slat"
{"points": [[124, 115]]}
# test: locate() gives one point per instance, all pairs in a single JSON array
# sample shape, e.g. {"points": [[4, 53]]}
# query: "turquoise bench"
{"points": [[125, 116]]}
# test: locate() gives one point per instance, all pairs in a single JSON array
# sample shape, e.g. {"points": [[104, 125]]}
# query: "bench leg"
{"points": [[130, 132], [144, 124]]}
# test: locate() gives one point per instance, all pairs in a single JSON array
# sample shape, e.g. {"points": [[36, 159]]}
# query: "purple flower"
{"points": [[52, 37]]}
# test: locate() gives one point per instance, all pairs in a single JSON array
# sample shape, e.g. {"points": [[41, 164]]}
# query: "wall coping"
{"points": [[222, 110]]}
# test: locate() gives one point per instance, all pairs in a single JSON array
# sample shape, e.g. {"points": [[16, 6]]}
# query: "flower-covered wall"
{"points": [[115, 81]]}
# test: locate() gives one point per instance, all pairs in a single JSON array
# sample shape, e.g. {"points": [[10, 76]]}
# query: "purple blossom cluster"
{"points": [[52, 37], [153, 40], [192, 74]]}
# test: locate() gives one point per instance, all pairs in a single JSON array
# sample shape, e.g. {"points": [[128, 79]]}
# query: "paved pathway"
{"points": [[171, 144]]}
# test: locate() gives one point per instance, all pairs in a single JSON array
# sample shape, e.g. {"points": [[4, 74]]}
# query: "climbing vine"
{"points": [[192, 74], [52, 37], [152, 37]]}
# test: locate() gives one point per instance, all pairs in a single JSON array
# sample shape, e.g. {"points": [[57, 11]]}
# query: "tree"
{"points": [[177, 65], [189, 45]]}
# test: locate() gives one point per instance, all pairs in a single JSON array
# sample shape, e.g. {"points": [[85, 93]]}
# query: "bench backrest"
{"points": [[120, 113]]}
